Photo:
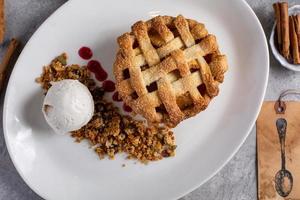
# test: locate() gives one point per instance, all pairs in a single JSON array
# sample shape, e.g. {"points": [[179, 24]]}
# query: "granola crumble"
{"points": [[110, 132], [58, 71]]}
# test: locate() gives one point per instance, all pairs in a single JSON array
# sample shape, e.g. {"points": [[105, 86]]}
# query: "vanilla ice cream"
{"points": [[68, 106]]}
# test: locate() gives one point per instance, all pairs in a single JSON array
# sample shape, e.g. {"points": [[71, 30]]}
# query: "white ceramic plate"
{"points": [[57, 168]]}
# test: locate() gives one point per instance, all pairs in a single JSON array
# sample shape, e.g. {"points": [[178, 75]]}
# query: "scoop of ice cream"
{"points": [[68, 106]]}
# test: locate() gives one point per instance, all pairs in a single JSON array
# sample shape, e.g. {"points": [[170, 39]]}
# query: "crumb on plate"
{"points": [[109, 132]]}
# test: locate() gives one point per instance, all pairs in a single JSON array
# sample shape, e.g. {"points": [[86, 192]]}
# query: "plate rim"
{"points": [[225, 162], [7, 89]]}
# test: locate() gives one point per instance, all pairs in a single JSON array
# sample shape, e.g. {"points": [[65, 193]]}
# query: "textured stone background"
{"points": [[236, 181]]}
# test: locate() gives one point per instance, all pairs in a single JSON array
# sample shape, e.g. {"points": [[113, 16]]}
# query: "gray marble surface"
{"points": [[236, 181]]}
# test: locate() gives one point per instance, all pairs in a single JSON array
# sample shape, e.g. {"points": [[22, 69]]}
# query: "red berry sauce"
{"points": [[127, 108], [101, 76], [116, 97], [85, 53], [95, 67], [108, 85]]}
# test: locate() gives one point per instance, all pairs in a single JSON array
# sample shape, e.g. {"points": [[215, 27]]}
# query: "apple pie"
{"points": [[168, 68]]}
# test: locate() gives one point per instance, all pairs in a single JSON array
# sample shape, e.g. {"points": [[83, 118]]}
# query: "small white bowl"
{"points": [[292, 11]]}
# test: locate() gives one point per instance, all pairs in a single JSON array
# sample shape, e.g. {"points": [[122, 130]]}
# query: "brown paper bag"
{"points": [[269, 152]]}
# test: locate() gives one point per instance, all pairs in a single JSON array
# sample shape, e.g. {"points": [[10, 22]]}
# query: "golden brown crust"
{"points": [[169, 75]]}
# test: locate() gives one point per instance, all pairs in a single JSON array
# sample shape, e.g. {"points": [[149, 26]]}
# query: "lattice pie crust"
{"points": [[168, 68]]}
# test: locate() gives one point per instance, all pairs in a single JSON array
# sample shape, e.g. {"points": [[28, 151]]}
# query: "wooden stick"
{"points": [[278, 25], [284, 17], [294, 41], [5, 62], [2, 21]]}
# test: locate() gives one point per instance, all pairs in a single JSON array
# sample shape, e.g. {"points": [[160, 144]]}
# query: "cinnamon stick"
{"points": [[278, 25], [284, 20], [294, 41], [297, 23], [2, 21], [13, 44]]}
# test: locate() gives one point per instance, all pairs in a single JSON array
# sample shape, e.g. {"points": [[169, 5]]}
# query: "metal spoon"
{"points": [[283, 178]]}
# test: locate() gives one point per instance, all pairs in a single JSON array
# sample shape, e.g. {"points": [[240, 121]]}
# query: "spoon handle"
{"points": [[281, 125]]}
